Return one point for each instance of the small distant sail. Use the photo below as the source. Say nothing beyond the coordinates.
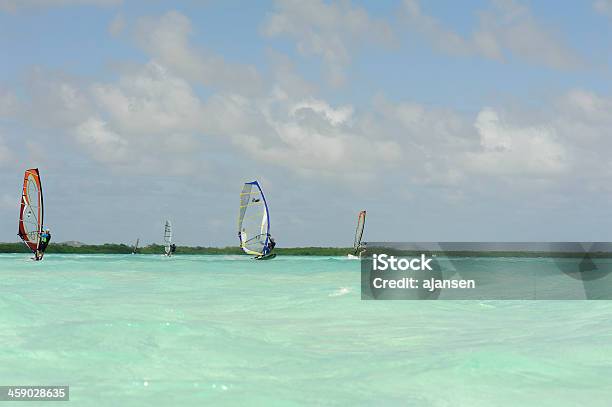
(359, 232)
(253, 220)
(135, 246)
(31, 212)
(168, 238)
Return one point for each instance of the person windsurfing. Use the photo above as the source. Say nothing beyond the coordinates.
(362, 249)
(172, 248)
(271, 245)
(45, 238)
(267, 250)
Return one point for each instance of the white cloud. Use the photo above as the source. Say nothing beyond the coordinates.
(566, 142)
(511, 150)
(286, 80)
(432, 140)
(151, 120)
(57, 100)
(603, 6)
(147, 121)
(335, 117)
(15, 5)
(312, 137)
(332, 31)
(149, 101)
(507, 29)
(166, 40)
(583, 120)
(305, 136)
(582, 106)
(102, 143)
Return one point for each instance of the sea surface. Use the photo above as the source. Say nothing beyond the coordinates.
(146, 330)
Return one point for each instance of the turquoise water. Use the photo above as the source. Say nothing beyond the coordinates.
(226, 330)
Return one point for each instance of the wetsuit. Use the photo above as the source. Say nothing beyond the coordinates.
(45, 237)
(271, 245)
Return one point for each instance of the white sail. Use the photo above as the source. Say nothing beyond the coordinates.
(359, 231)
(167, 237)
(253, 220)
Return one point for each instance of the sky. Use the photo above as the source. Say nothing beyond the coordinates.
(447, 121)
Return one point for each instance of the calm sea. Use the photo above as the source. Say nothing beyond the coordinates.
(226, 330)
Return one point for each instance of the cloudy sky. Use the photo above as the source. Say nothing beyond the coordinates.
(447, 121)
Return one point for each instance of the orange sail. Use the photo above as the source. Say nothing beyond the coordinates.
(32, 212)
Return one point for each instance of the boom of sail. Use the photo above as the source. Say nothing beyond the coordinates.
(359, 231)
(253, 220)
(31, 212)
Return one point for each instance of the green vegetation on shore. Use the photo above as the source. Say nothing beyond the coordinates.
(112, 248)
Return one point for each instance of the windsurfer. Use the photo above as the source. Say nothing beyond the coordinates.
(362, 249)
(172, 248)
(45, 237)
(271, 245)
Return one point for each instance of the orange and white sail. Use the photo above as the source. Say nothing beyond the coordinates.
(31, 213)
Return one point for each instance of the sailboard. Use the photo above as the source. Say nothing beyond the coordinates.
(168, 238)
(135, 246)
(357, 246)
(266, 257)
(31, 213)
(254, 222)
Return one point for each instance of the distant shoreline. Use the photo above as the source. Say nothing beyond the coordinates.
(113, 248)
